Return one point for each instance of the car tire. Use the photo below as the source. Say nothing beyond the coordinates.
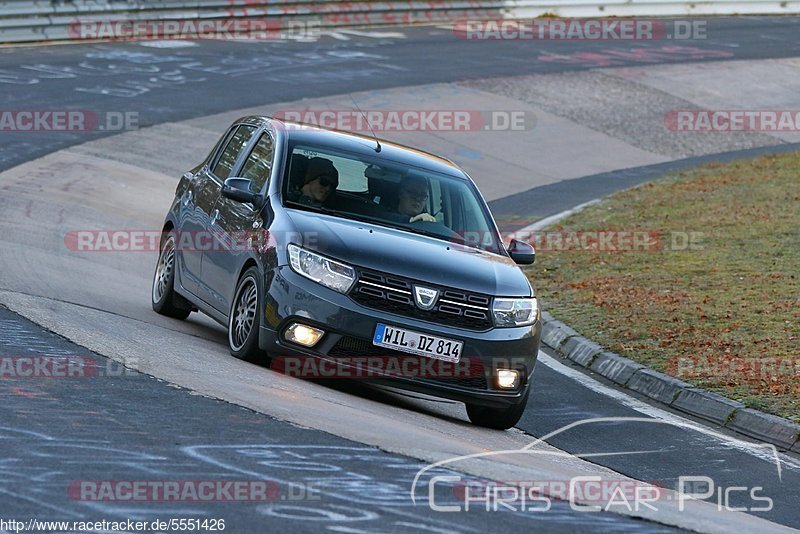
(244, 318)
(163, 297)
(497, 418)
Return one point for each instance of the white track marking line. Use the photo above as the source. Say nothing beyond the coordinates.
(758, 450)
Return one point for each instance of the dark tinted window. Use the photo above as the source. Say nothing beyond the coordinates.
(234, 147)
(258, 166)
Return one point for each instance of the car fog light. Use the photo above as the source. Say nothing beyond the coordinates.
(507, 378)
(302, 334)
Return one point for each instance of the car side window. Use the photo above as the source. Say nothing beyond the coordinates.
(258, 166)
(227, 159)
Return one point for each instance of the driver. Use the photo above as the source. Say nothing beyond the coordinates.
(412, 197)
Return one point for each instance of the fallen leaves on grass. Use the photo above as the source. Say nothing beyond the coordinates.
(736, 296)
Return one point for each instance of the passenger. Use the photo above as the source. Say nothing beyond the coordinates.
(319, 182)
(411, 199)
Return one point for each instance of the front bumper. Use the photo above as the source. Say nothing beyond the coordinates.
(350, 326)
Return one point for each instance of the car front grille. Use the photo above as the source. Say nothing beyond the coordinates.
(395, 294)
(471, 375)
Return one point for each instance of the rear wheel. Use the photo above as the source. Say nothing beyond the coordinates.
(245, 318)
(164, 299)
(497, 418)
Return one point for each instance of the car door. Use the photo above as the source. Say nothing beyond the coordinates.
(188, 258)
(208, 184)
(197, 202)
(235, 223)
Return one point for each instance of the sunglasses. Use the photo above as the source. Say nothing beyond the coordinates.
(327, 181)
(416, 195)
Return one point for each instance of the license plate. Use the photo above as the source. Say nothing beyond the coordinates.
(417, 343)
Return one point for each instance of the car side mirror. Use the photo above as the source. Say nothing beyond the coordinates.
(238, 189)
(521, 252)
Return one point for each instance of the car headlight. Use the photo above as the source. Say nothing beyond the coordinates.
(329, 273)
(515, 312)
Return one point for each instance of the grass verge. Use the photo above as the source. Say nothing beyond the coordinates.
(705, 287)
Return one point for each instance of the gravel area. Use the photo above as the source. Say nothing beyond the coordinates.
(620, 108)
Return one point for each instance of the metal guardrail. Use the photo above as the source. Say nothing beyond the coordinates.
(657, 8)
(46, 20)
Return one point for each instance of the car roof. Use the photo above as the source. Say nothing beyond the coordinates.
(358, 144)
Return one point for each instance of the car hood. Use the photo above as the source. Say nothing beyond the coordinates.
(410, 255)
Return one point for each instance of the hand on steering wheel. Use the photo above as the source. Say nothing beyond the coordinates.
(427, 217)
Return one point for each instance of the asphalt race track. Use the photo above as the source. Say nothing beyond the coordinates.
(165, 400)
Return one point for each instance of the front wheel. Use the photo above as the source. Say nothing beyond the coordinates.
(245, 318)
(163, 297)
(497, 418)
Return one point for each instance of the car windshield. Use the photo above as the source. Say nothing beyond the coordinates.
(389, 193)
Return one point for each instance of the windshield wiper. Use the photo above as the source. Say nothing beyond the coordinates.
(420, 232)
(319, 209)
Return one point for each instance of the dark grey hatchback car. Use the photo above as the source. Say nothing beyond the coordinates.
(334, 254)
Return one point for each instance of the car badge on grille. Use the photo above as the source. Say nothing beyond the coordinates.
(425, 297)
